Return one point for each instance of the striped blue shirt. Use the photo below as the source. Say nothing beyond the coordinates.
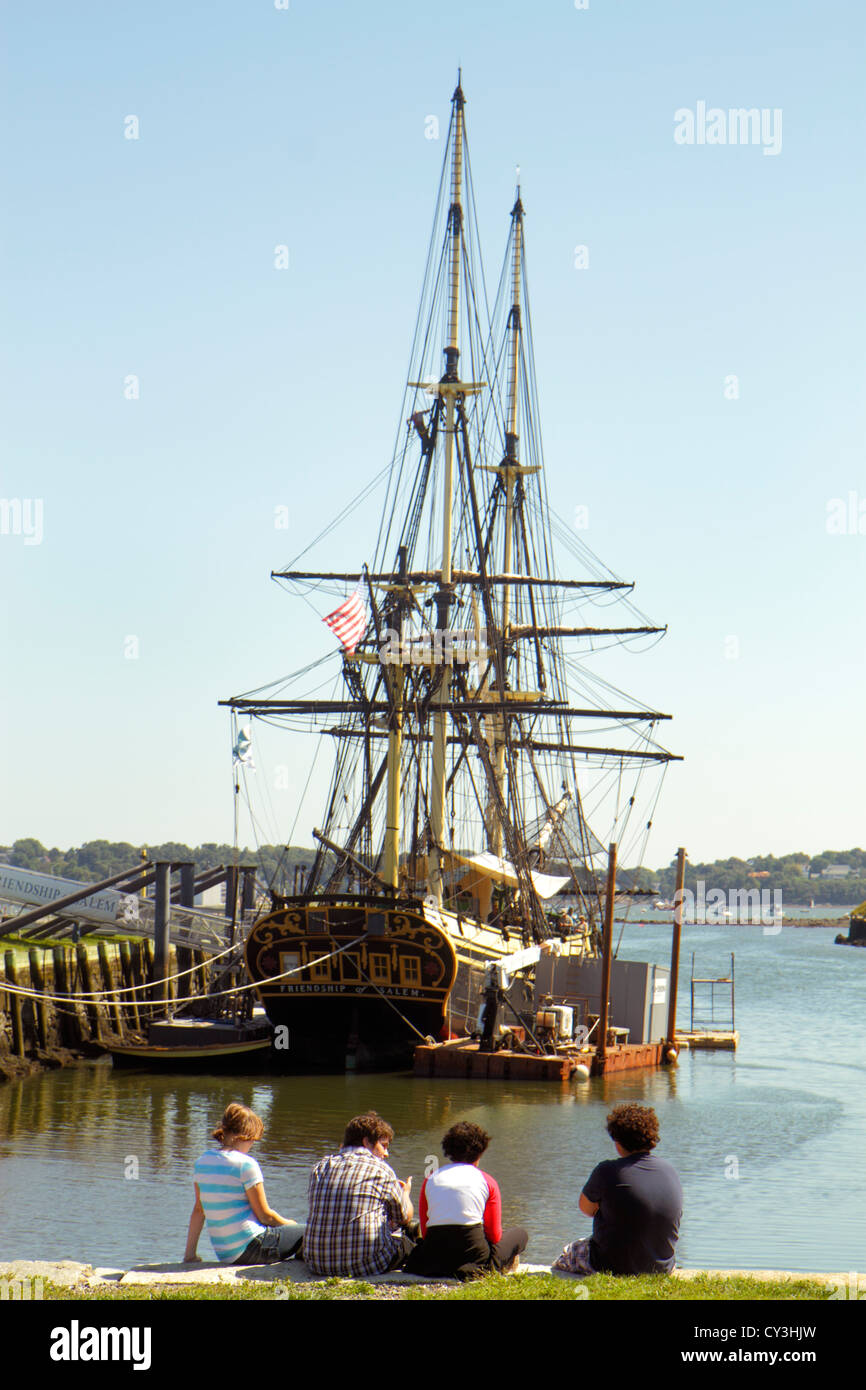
(223, 1175)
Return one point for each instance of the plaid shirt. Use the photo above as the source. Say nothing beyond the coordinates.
(356, 1201)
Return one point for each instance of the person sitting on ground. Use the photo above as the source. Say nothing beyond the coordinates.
(230, 1197)
(359, 1209)
(460, 1210)
(636, 1202)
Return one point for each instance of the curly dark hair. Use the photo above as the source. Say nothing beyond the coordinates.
(370, 1126)
(465, 1142)
(636, 1127)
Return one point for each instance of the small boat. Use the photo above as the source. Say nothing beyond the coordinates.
(198, 1044)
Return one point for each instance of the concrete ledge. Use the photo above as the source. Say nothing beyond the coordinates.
(73, 1275)
(293, 1271)
(70, 1274)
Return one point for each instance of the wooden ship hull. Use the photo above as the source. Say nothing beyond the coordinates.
(365, 980)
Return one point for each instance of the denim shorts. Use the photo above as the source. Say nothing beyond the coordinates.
(274, 1244)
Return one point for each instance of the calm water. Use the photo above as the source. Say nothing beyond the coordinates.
(787, 1111)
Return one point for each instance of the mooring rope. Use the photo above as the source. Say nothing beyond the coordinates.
(97, 994)
(68, 997)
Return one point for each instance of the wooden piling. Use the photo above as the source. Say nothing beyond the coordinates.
(91, 1007)
(112, 1008)
(129, 982)
(675, 949)
(157, 960)
(67, 1022)
(607, 949)
(14, 1004)
(184, 960)
(37, 984)
(140, 973)
(201, 973)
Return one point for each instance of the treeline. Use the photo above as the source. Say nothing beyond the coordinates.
(100, 859)
(796, 876)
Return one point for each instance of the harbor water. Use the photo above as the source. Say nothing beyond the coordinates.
(95, 1164)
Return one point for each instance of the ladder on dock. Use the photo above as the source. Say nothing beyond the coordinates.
(711, 1021)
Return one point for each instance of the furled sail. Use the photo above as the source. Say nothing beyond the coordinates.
(492, 866)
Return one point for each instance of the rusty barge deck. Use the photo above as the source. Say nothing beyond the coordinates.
(462, 1058)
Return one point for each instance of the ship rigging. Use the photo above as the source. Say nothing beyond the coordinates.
(474, 745)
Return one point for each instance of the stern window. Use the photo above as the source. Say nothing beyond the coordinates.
(410, 970)
(320, 968)
(380, 969)
(289, 960)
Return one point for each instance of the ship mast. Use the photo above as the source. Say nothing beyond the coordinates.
(394, 683)
(495, 745)
(509, 470)
(449, 388)
(509, 463)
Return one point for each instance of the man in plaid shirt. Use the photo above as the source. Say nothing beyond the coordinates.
(359, 1208)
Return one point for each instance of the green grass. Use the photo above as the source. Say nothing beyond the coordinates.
(246, 1291)
(600, 1288)
(605, 1288)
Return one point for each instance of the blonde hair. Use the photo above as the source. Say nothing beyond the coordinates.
(238, 1122)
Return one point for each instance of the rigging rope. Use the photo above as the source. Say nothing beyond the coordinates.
(157, 984)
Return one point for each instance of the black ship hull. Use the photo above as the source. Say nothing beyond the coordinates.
(357, 983)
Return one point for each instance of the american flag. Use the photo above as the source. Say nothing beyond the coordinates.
(348, 621)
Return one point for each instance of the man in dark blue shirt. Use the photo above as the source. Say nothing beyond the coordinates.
(636, 1202)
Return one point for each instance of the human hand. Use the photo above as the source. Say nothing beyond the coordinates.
(407, 1186)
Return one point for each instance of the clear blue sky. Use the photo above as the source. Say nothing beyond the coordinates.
(261, 388)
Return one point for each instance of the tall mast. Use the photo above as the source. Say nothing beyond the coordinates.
(394, 680)
(509, 463)
(509, 470)
(493, 733)
(448, 386)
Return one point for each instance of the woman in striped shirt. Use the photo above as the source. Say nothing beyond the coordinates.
(230, 1198)
(460, 1210)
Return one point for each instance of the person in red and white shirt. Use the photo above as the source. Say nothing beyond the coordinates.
(460, 1211)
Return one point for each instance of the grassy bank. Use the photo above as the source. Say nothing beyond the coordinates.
(495, 1288)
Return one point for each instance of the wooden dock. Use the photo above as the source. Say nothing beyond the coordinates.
(722, 1039)
(462, 1058)
(78, 1001)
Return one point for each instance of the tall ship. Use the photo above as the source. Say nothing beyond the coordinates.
(473, 742)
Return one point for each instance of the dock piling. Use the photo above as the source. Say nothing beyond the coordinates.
(37, 984)
(108, 985)
(607, 949)
(675, 949)
(15, 1003)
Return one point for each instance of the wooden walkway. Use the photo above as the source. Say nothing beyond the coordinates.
(722, 1039)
